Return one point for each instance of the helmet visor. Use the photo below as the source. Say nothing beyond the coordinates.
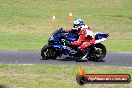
(76, 25)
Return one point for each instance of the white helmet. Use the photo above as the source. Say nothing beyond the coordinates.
(77, 23)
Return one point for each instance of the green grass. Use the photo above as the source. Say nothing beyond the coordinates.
(57, 76)
(25, 24)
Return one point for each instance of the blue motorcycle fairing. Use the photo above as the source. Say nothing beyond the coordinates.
(65, 51)
(56, 43)
(61, 50)
(57, 46)
(53, 39)
(100, 36)
(71, 37)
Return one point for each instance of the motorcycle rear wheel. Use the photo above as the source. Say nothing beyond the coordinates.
(97, 52)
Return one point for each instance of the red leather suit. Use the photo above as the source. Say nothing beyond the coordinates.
(84, 42)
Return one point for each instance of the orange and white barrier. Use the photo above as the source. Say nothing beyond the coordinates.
(70, 17)
(53, 18)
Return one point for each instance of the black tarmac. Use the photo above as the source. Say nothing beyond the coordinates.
(34, 57)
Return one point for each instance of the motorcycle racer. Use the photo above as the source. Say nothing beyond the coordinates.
(80, 43)
(86, 37)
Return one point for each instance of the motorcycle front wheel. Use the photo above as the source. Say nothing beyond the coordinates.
(48, 53)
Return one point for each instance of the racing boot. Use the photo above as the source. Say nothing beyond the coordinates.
(86, 53)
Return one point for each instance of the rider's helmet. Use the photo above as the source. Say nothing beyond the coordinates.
(77, 23)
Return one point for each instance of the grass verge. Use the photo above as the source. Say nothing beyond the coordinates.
(25, 24)
(55, 76)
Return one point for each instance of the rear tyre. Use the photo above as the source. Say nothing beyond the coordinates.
(48, 53)
(97, 52)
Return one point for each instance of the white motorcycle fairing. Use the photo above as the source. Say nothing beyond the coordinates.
(100, 37)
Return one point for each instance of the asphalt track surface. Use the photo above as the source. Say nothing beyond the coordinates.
(33, 57)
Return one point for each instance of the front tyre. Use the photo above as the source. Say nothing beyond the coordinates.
(97, 52)
(48, 53)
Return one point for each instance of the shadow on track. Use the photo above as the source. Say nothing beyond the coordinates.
(74, 59)
(79, 60)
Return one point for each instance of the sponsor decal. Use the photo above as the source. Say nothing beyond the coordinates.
(83, 78)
